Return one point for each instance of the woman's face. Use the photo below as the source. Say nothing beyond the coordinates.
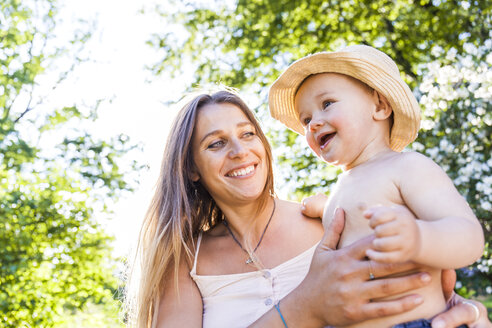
(230, 159)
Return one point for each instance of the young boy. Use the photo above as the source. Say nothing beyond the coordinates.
(357, 113)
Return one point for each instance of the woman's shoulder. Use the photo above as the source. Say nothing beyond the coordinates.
(291, 212)
(289, 205)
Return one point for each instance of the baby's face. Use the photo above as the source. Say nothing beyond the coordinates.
(336, 112)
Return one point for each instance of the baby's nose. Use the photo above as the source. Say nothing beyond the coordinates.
(314, 125)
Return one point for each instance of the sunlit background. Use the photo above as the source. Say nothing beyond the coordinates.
(88, 90)
(132, 101)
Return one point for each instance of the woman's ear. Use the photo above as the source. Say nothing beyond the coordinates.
(383, 107)
(194, 176)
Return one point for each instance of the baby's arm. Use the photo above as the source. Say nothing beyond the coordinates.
(313, 206)
(446, 234)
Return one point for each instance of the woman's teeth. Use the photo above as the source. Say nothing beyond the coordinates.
(241, 172)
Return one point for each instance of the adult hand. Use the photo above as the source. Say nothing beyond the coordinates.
(337, 290)
(459, 313)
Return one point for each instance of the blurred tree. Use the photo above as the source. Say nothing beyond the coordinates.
(54, 176)
(248, 43)
(456, 130)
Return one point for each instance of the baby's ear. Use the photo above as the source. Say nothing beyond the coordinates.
(383, 107)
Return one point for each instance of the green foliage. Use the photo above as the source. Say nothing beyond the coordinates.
(94, 316)
(456, 130)
(248, 43)
(55, 257)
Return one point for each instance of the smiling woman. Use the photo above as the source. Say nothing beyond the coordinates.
(230, 159)
(218, 249)
(217, 161)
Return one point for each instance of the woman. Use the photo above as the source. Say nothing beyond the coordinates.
(218, 248)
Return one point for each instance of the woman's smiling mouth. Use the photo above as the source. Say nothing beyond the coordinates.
(241, 172)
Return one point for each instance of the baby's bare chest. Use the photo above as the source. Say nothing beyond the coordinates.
(354, 194)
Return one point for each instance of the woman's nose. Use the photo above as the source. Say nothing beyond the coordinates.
(237, 149)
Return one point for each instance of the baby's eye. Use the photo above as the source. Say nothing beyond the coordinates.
(216, 144)
(326, 104)
(305, 121)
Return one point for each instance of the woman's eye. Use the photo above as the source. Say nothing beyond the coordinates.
(216, 144)
(326, 104)
(249, 134)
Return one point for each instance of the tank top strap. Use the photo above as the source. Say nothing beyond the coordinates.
(193, 270)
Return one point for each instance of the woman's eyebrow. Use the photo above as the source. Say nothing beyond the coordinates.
(212, 133)
(241, 124)
(216, 132)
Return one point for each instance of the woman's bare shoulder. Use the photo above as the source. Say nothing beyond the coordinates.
(288, 204)
(291, 212)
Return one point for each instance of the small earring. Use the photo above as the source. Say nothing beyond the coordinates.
(195, 189)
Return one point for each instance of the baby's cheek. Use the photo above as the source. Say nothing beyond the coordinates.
(312, 143)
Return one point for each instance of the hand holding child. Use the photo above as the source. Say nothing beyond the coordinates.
(397, 234)
(313, 206)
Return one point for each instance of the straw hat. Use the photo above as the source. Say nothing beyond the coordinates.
(367, 64)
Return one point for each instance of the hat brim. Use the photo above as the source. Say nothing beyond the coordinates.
(373, 72)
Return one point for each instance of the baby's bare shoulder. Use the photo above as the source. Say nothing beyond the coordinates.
(409, 161)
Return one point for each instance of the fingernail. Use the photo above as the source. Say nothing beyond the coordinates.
(425, 277)
(438, 323)
(418, 300)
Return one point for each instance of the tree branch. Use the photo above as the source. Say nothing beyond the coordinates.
(400, 58)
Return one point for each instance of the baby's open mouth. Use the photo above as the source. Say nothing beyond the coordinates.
(325, 139)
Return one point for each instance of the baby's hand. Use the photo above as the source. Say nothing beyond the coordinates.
(397, 234)
(314, 206)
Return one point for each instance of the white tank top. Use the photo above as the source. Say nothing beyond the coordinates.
(238, 300)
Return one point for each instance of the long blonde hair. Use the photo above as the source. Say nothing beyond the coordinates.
(179, 210)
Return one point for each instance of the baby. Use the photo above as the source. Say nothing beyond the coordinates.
(357, 113)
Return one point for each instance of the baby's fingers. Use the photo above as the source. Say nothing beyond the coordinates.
(379, 215)
(391, 228)
(313, 206)
(310, 211)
